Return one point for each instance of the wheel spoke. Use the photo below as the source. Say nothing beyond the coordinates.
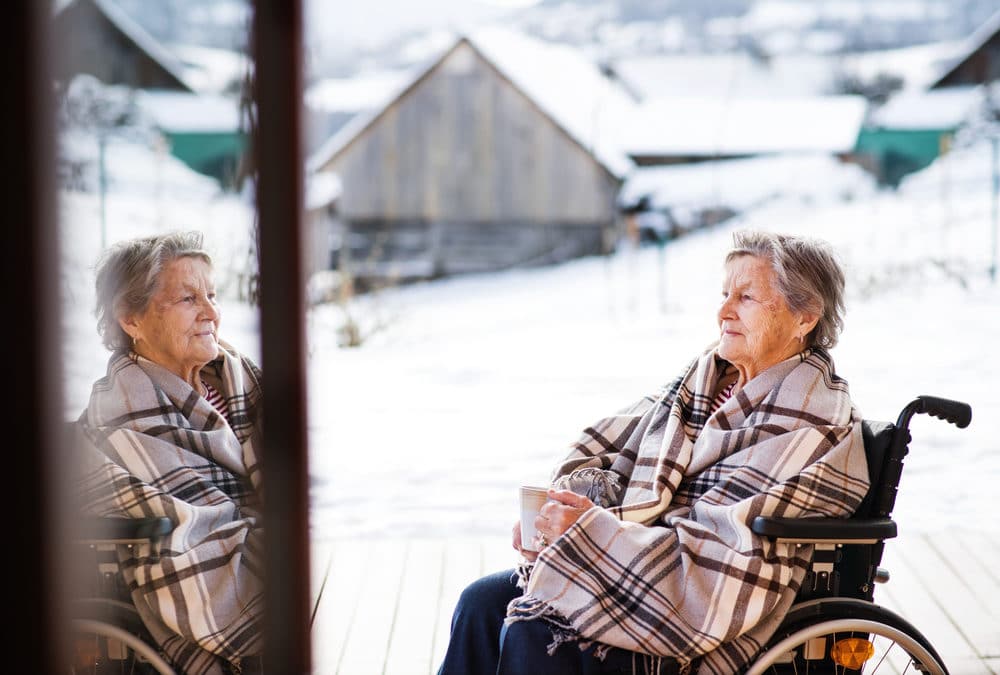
(884, 655)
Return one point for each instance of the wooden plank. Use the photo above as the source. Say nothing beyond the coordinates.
(322, 562)
(978, 552)
(412, 641)
(368, 639)
(884, 598)
(461, 566)
(386, 607)
(909, 597)
(320, 569)
(974, 613)
(334, 616)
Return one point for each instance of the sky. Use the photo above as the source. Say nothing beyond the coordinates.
(469, 387)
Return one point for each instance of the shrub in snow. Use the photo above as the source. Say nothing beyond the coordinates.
(91, 114)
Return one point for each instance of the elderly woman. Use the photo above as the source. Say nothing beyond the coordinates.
(172, 430)
(647, 563)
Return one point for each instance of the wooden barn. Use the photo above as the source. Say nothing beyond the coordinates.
(501, 153)
(97, 38)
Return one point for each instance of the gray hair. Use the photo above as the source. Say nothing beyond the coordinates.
(809, 277)
(127, 278)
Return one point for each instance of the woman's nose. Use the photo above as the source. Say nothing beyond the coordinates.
(725, 308)
(209, 309)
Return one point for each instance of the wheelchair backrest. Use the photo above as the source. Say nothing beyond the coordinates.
(851, 567)
(878, 437)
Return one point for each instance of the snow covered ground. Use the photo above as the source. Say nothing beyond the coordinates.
(475, 385)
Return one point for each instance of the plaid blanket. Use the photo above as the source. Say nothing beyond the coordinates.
(151, 446)
(670, 568)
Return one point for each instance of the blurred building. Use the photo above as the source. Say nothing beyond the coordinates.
(502, 152)
(978, 61)
(97, 38)
(918, 124)
(913, 128)
(684, 129)
(189, 98)
(202, 130)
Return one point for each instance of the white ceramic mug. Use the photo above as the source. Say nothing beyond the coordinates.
(532, 499)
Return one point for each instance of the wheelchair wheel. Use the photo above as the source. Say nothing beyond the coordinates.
(109, 637)
(842, 636)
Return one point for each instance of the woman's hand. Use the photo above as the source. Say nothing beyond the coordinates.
(530, 556)
(559, 513)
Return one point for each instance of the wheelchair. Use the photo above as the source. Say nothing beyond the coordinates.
(108, 635)
(835, 626)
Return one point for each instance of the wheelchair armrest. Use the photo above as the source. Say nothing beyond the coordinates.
(824, 530)
(109, 530)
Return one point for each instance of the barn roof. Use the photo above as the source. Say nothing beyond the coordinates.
(709, 127)
(733, 74)
(561, 81)
(945, 108)
(138, 36)
(184, 112)
(971, 45)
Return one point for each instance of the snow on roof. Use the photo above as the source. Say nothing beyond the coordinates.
(322, 188)
(745, 183)
(567, 86)
(917, 66)
(715, 126)
(180, 112)
(728, 74)
(945, 108)
(561, 80)
(366, 91)
(357, 124)
(144, 40)
(211, 69)
(968, 46)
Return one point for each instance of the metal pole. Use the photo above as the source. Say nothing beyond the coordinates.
(277, 51)
(996, 207)
(102, 178)
(662, 255)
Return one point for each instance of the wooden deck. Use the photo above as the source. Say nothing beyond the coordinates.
(384, 606)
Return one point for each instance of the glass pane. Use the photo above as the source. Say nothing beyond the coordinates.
(151, 141)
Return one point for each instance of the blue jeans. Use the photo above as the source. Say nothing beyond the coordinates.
(474, 646)
(480, 644)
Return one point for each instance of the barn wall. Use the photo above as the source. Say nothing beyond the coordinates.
(465, 174)
(464, 145)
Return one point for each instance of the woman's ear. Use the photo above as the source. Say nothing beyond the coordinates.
(130, 326)
(807, 321)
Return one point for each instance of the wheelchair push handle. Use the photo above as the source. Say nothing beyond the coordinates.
(956, 412)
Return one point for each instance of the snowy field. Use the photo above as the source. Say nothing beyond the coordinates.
(475, 385)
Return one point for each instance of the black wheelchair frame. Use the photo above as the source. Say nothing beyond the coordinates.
(835, 626)
(108, 633)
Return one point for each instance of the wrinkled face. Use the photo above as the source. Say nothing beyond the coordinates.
(179, 328)
(757, 330)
